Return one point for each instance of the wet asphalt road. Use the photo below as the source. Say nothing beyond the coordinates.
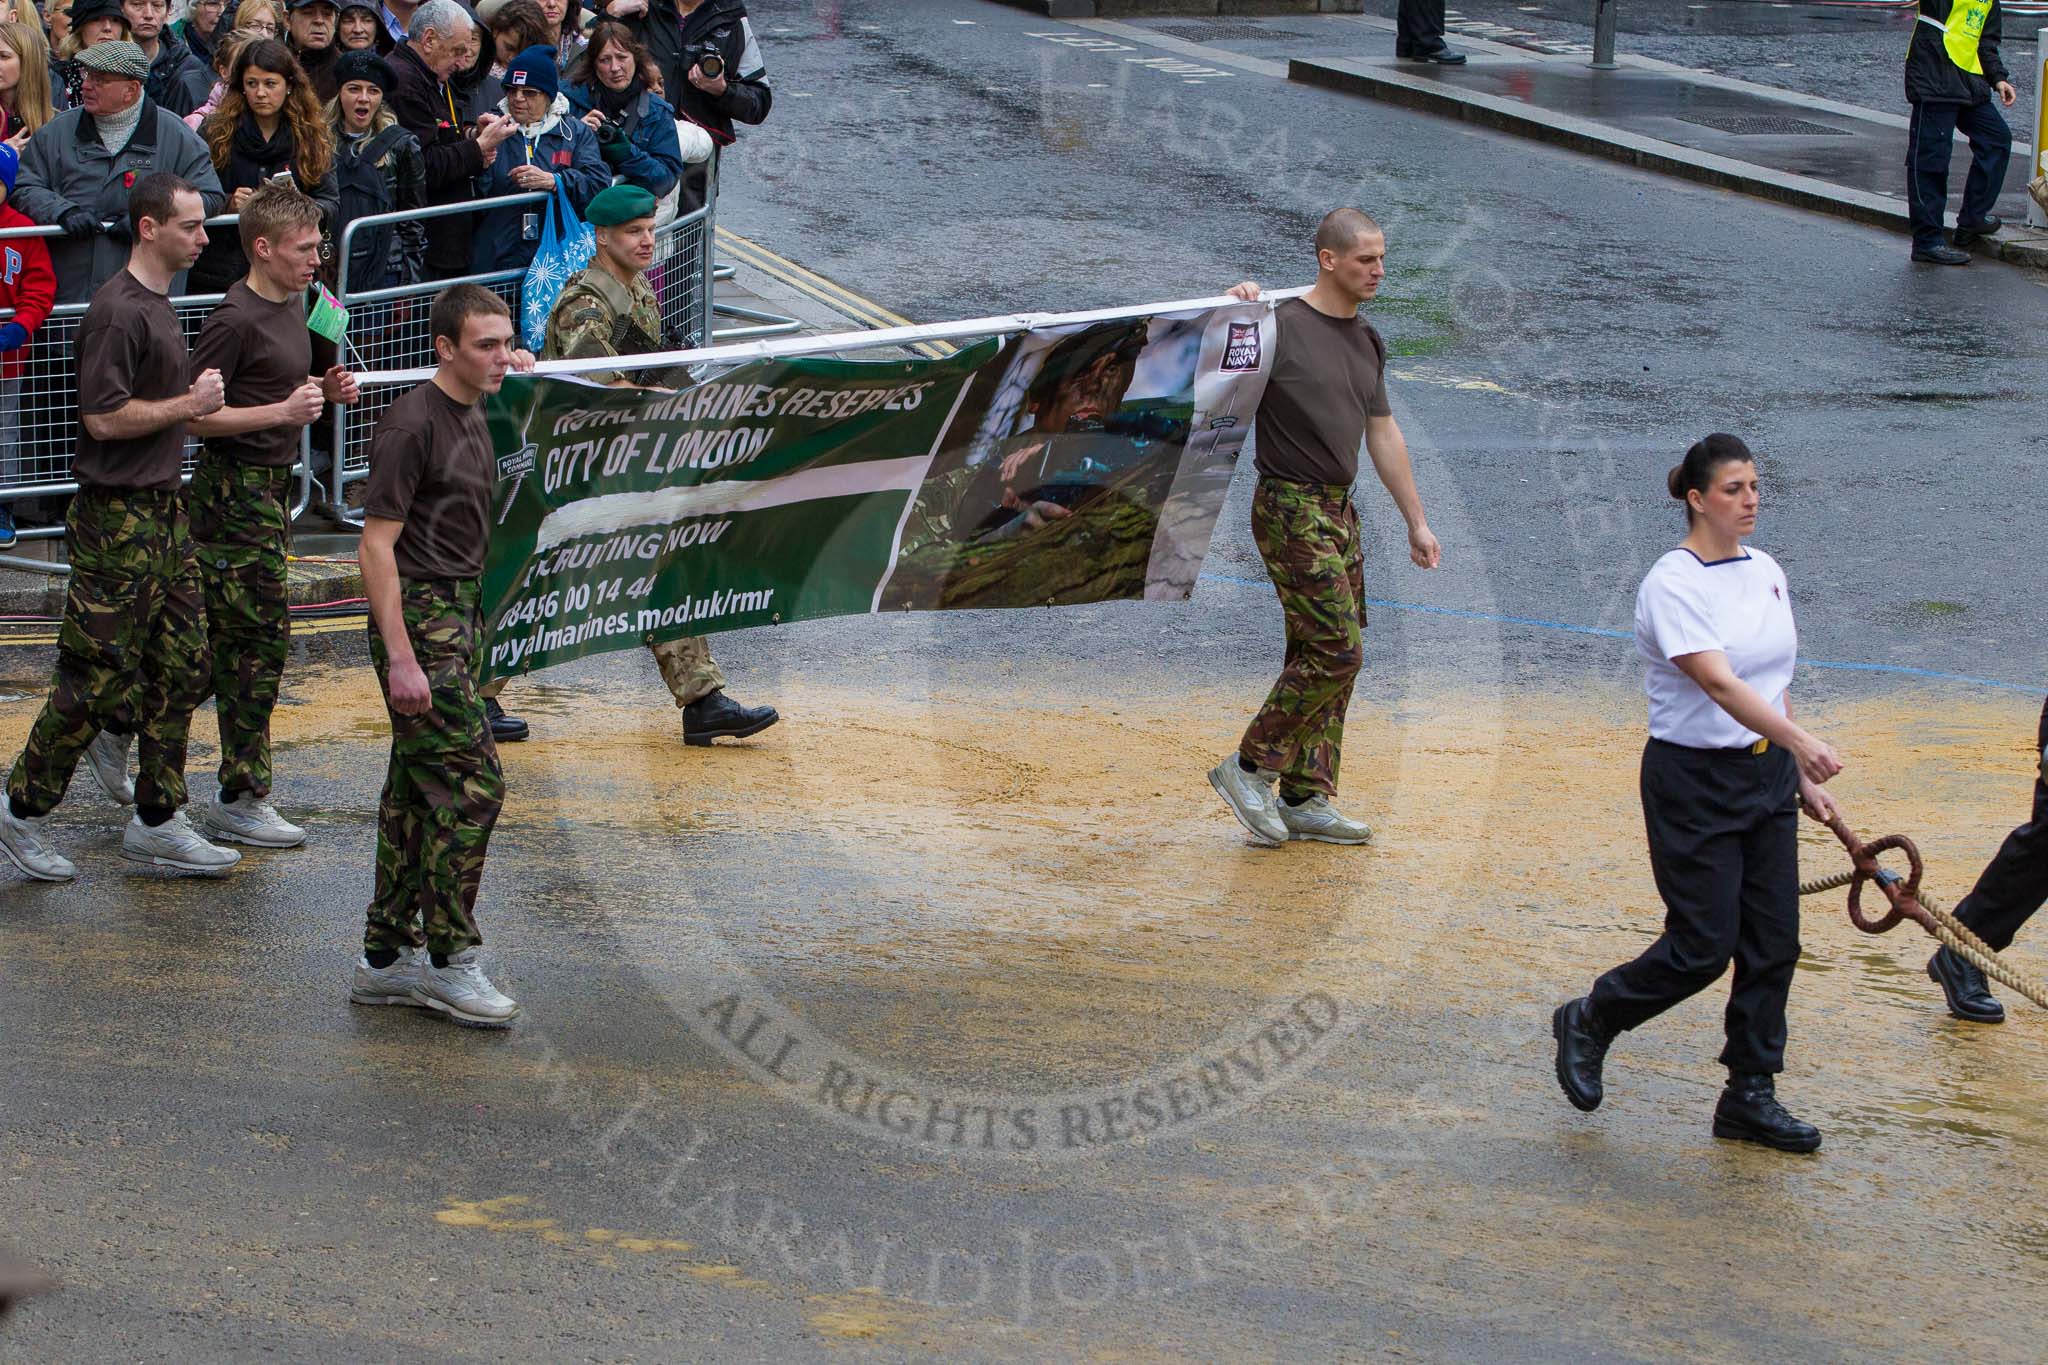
(978, 850)
(1616, 315)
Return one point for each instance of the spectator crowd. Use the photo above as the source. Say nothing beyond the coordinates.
(365, 107)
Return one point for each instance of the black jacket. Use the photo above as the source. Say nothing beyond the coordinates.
(178, 80)
(747, 97)
(1932, 76)
(319, 67)
(453, 161)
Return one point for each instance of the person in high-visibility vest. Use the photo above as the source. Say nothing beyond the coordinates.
(1952, 71)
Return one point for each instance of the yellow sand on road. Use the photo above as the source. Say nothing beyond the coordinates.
(999, 892)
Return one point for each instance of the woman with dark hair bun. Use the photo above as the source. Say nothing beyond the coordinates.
(1724, 775)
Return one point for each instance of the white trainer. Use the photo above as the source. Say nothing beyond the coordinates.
(461, 991)
(174, 843)
(1250, 798)
(107, 756)
(398, 984)
(22, 839)
(1316, 819)
(247, 820)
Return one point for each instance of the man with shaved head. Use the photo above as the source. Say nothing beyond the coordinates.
(1326, 395)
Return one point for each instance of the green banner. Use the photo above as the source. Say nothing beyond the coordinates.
(1068, 464)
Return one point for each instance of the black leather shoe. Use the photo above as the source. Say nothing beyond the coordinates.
(1967, 233)
(1941, 255)
(1969, 995)
(1749, 1112)
(718, 716)
(1442, 56)
(504, 729)
(1581, 1049)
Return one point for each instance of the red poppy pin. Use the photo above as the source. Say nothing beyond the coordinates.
(127, 180)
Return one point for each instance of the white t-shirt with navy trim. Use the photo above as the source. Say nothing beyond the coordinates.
(1739, 606)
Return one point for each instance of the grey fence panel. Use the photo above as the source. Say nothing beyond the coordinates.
(387, 330)
(389, 333)
(37, 445)
(39, 394)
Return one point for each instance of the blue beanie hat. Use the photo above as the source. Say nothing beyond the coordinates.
(534, 69)
(10, 166)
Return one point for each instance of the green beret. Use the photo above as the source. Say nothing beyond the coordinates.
(619, 204)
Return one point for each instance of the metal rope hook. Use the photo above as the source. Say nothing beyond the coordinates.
(1903, 893)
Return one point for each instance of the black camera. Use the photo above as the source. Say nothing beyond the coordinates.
(611, 130)
(707, 57)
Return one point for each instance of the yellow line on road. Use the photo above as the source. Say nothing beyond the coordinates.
(326, 625)
(826, 291)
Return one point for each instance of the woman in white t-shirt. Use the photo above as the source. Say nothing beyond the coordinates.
(1723, 777)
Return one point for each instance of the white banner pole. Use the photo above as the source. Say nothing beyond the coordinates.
(783, 348)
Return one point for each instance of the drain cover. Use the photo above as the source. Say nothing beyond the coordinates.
(1209, 33)
(1763, 125)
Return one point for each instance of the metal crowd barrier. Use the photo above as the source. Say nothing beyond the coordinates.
(387, 330)
(39, 407)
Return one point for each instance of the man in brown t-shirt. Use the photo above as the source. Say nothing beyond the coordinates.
(241, 495)
(428, 521)
(1326, 395)
(132, 653)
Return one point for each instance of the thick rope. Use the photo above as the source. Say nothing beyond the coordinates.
(1967, 945)
(1955, 935)
(1820, 884)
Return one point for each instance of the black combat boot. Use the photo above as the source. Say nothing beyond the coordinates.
(1969, 995)
(1749, 1112)
(718, 716)
(504, 729)
(1582, 1041)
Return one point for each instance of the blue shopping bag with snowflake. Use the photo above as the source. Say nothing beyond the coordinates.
(566, 246)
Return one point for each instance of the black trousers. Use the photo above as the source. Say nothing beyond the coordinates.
(1418, 27)
(1930, 140)
(2015, 885)
(1723, 829)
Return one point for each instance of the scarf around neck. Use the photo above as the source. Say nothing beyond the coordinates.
(614, 104)
(252, 157)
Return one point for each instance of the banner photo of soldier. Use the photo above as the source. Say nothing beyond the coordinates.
(1080, 464)
(1099, 460)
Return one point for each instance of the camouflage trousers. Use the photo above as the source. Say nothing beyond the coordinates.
(131, 654)
(241, 525)
(686, 666)
(1308, 536)
(443, 788)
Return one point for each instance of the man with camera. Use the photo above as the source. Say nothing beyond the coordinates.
(711, 68)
